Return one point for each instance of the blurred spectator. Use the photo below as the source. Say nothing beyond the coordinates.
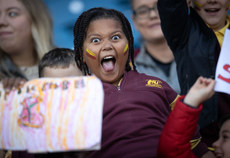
(154, 57)
(25, 35)
(195, 35)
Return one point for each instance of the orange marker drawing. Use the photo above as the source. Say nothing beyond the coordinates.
(90, 54)
(125, 51)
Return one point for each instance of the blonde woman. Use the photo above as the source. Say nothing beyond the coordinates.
(25, 35)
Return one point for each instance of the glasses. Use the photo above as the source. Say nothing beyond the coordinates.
(144, 12)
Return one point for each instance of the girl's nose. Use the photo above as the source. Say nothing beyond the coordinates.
(107, 45)
(216, 144)
(3, 20)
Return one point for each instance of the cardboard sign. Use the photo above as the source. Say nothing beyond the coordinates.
(223, 66)
(52, 115)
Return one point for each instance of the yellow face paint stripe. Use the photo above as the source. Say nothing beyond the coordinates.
(90, 54)
(126, 48)
(197, 5)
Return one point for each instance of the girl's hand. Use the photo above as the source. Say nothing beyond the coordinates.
(12, 83)
(202, 90)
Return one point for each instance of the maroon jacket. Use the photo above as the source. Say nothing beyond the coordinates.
(134, 115)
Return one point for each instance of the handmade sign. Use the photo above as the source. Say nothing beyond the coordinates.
(52, 115)
(223, 66)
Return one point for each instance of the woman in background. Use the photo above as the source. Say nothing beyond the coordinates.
(25, 35)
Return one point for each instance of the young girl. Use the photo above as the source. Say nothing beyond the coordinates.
(222, 145)
(136, 106)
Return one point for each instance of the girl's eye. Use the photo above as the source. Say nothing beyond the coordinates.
(12, 14)
(95, 40)
(116, 37)
(225, 137)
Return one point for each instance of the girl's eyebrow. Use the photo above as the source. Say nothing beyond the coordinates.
(96, 35)
(11, 8)
(117, 32)
(225, 131)
(92, 35)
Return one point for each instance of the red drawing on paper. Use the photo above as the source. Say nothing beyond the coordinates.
(31, 115)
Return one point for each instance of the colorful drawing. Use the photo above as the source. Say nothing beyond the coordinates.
(55, 114)
(31, 116)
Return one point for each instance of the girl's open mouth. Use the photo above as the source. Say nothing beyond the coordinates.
(108, 63)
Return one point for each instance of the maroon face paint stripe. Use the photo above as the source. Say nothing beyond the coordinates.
(90, 56)
(125, 51)
(227, 7)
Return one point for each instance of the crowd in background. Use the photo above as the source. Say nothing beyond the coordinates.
(180, 41)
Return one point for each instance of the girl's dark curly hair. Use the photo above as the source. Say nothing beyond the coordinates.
(80, 30)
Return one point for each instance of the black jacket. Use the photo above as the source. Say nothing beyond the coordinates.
(193, 45)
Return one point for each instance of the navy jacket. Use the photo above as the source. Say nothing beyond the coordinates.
(193, 45)
(196, 50)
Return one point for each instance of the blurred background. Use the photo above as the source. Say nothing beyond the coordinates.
(65, 13)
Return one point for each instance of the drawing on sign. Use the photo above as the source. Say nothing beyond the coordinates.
(31, 115)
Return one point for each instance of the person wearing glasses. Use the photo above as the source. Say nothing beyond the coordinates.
(154, 56)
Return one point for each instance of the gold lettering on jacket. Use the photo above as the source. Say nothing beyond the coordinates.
(154, 83)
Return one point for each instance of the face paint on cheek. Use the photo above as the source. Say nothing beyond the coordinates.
(197, 5)
(227, 6)
(90, 54)
(125, 51)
